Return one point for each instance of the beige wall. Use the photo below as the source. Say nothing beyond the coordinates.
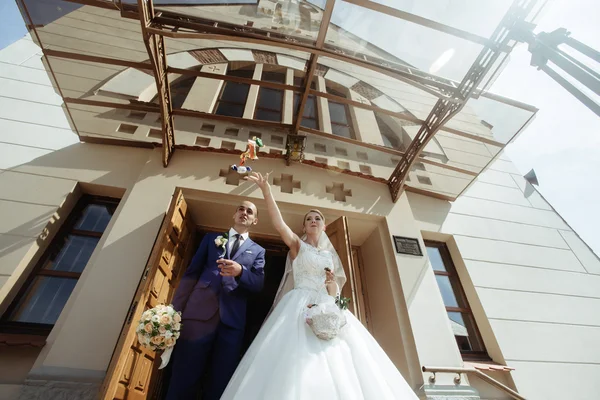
(135, 225)
(16, 362)
(389, 325)
(430, 325)
(41, 164)
(533, 285)
(41, 158)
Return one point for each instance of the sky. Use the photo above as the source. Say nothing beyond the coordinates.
(12, 27)
(562, 144)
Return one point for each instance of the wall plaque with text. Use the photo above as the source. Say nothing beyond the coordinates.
(405, 245)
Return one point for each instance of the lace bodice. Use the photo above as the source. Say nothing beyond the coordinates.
(309, 267)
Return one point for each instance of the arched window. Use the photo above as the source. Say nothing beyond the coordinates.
(180, 90)
(389, 137)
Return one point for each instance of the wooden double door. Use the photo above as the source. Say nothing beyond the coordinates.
(133, 372)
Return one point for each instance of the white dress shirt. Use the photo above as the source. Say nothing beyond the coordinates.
(232, 238)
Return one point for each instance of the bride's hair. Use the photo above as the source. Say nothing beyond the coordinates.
(314, 210)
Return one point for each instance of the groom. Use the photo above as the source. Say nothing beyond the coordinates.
(212, 297)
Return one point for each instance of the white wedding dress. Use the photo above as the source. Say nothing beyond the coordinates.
(286, 361)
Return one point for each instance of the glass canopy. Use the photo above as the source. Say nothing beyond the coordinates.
(378, 71)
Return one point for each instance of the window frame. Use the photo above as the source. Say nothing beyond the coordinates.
(259, 108)
(243, 103)
(303, 117)
(67, 228)
(181, 87)
(349, 121)
(385, 131)
(462, 300)
(261, 91)
(297, 97)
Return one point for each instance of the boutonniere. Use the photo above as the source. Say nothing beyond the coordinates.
(221, 241)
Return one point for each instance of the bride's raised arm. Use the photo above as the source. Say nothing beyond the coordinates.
(289, 238)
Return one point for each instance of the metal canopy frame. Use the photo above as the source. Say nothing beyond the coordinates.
(312, 64)
(177, 26)
(445, 110)
(452, 96)
(299, 89)
(155, 45)
(544, 48)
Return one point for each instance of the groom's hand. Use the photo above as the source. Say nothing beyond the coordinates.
(229, 268)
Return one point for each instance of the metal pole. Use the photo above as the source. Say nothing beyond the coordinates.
(579, 64)
(589, 103)
(576, 72)
(583, 49)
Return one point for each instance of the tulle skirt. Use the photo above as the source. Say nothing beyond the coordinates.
(286, 361)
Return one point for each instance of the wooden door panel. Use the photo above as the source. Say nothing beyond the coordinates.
(157, 283)
(175, 266)
(361, 290)
(168, 249)
(128, 368)
(184, 239)
(133, 368)
(165, 290)
(179, 216)
(142, 374)
(121, 392)
(340, 239)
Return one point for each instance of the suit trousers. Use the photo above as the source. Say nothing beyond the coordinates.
(204, 344)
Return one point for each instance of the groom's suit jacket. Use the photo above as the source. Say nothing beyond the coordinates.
(203, 292)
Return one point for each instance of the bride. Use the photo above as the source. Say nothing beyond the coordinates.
(286, 361)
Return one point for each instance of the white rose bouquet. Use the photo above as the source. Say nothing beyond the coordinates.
(159, 328)
(326, 319)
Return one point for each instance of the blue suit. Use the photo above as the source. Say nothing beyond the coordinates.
(213, 317)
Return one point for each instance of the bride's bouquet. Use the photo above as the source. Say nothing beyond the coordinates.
(327, 318)
(159, 328)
